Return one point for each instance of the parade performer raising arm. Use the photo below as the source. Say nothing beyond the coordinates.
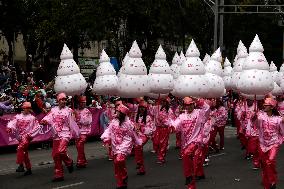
(84, 119)
(62, 121)
(24, 126)
(121, 136)
(189, 124)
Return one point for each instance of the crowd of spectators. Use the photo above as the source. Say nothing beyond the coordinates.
(17, 87)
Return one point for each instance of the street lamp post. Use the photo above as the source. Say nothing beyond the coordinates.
(216, 24)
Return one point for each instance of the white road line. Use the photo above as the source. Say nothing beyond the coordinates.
(216, 155)
(69, 185)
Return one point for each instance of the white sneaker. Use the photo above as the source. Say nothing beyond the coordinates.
(205, 164)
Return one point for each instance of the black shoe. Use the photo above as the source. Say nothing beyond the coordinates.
(20, 169)
(28, 172)
(199, 177)
(121, 187)
(58, 179)
(188, 180)
(273, 186)
(125, 181)
(80, 166)
(141, 173)
(70, 168)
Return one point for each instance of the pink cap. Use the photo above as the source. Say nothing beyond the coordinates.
(188, 100)
(270, 102)
(61, 96)
(123, 109)
(26, 105)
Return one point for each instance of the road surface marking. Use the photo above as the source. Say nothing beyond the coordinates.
(216, 155)
(69, 185)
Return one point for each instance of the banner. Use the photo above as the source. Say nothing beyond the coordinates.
(45, 132)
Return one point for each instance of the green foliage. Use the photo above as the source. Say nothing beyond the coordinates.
(47, 24)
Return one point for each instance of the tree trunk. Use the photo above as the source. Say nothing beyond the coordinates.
(10, 52)
(75, 52)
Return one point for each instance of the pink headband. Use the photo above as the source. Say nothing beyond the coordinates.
(270, 102)
(26, 105)
(123, 109)
(188, 100)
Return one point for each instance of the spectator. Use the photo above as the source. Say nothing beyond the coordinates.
(38, 104)
(29, 63)
(6, 103)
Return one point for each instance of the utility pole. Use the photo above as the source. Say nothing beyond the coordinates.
(221, 30)
(216, 14)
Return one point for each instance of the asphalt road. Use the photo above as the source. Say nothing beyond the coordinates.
(227, 170)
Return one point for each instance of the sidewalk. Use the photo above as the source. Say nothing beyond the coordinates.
(41, 158)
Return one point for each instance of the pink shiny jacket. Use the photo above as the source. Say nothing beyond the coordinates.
(221, 116)
(24, 125)
(190, 125)
(271, 130)
(121, 137)
(147, 128)
(84, 120)
(248, 126)
(63, 123)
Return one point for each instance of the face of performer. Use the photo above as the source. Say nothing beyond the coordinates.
(62, 102)
(26, 110)
(120, 116)
(82, 105)
(142, 109)
(267, 108)
(250, 102)
(189, 107)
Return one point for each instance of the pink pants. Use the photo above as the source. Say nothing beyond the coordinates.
(178, 139)
(188, 156)
(22, 153)
(268, 165)
(216, 130)
(59, 155)
(80, 143)
(139, 155)
(198, 161)
(162, 139)
(253, 149)
(237, 123)
(155, 141)
(120, 170)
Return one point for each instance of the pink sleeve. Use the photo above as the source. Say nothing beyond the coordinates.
(87, 118)
(49, 117)
(12, 124)
(35, 128)
(150, 126)
(106, 135)
(138, 141)
(73, 126)
(176, 123)
(281, 126)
